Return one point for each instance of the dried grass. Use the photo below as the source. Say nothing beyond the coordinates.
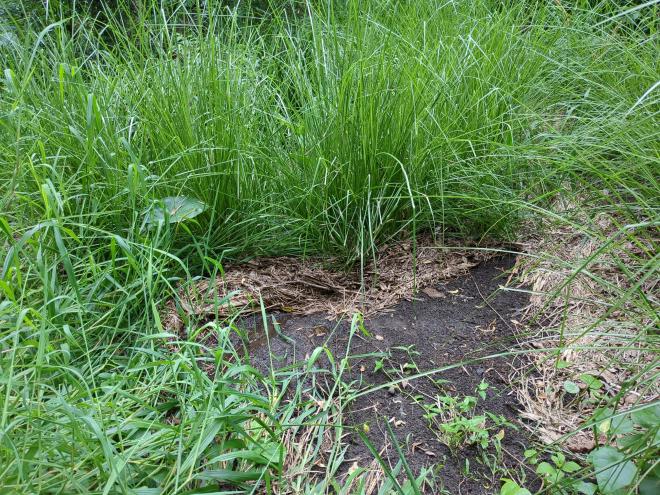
(303, 462)
(308, 286)
(571, 311)
(306, 460)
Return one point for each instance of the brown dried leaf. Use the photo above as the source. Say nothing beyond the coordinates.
(433, 293)
(580, 443)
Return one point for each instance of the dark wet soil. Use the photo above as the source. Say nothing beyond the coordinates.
(461, 320)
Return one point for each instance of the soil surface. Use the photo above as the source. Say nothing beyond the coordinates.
(455, 322)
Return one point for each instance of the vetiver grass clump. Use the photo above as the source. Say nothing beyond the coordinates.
(321, 128)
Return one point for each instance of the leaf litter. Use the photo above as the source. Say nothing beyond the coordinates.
(304, 287)
(570, 310)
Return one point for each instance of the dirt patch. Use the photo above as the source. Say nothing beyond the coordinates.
(455, 321)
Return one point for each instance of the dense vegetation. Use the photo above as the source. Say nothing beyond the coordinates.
(327, 128)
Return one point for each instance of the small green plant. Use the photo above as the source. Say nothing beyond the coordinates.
(482, 389)
(626, 463)
(510, 487)
(458, 425)
(630, 457)
(588, 388)
(173, 210)
(558, 474)
(379, 363)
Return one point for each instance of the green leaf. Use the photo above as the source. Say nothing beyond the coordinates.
(268, 454)
(174, 210)
(651, 484)
(647, 417)
(621, 425)
(611, 422)
(604, 426)
(631, 441)
(147, 491)
(613, 471)
(571, 387)
(571, 467)
(510, 487)
(585, 488)
(4, 226)
(545, 468)
(229, 476)
(530, 453)
(559, 459)
(592, 382)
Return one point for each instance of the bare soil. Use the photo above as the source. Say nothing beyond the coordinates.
(456, 321)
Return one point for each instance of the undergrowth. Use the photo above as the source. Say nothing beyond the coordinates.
(318, 128)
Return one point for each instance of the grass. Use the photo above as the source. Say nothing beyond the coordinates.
(323, 129)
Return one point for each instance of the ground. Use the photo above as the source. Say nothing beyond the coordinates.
(461, 320)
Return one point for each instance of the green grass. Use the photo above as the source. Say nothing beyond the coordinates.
(326, 129)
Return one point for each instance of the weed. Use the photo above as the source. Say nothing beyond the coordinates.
(628, 459)
(458, 425)
(558, 473)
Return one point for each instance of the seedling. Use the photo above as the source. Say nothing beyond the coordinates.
(458, 425)
(557, 475)
(628, 459)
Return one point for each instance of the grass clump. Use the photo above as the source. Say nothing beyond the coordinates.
(320, 128)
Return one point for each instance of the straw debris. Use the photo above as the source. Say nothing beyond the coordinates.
(298, 286)
(573, 278)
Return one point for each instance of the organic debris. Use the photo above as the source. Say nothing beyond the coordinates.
(304, 287)
(302, 461)
(604, 352)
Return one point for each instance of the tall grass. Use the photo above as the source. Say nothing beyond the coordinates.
(326, 128)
